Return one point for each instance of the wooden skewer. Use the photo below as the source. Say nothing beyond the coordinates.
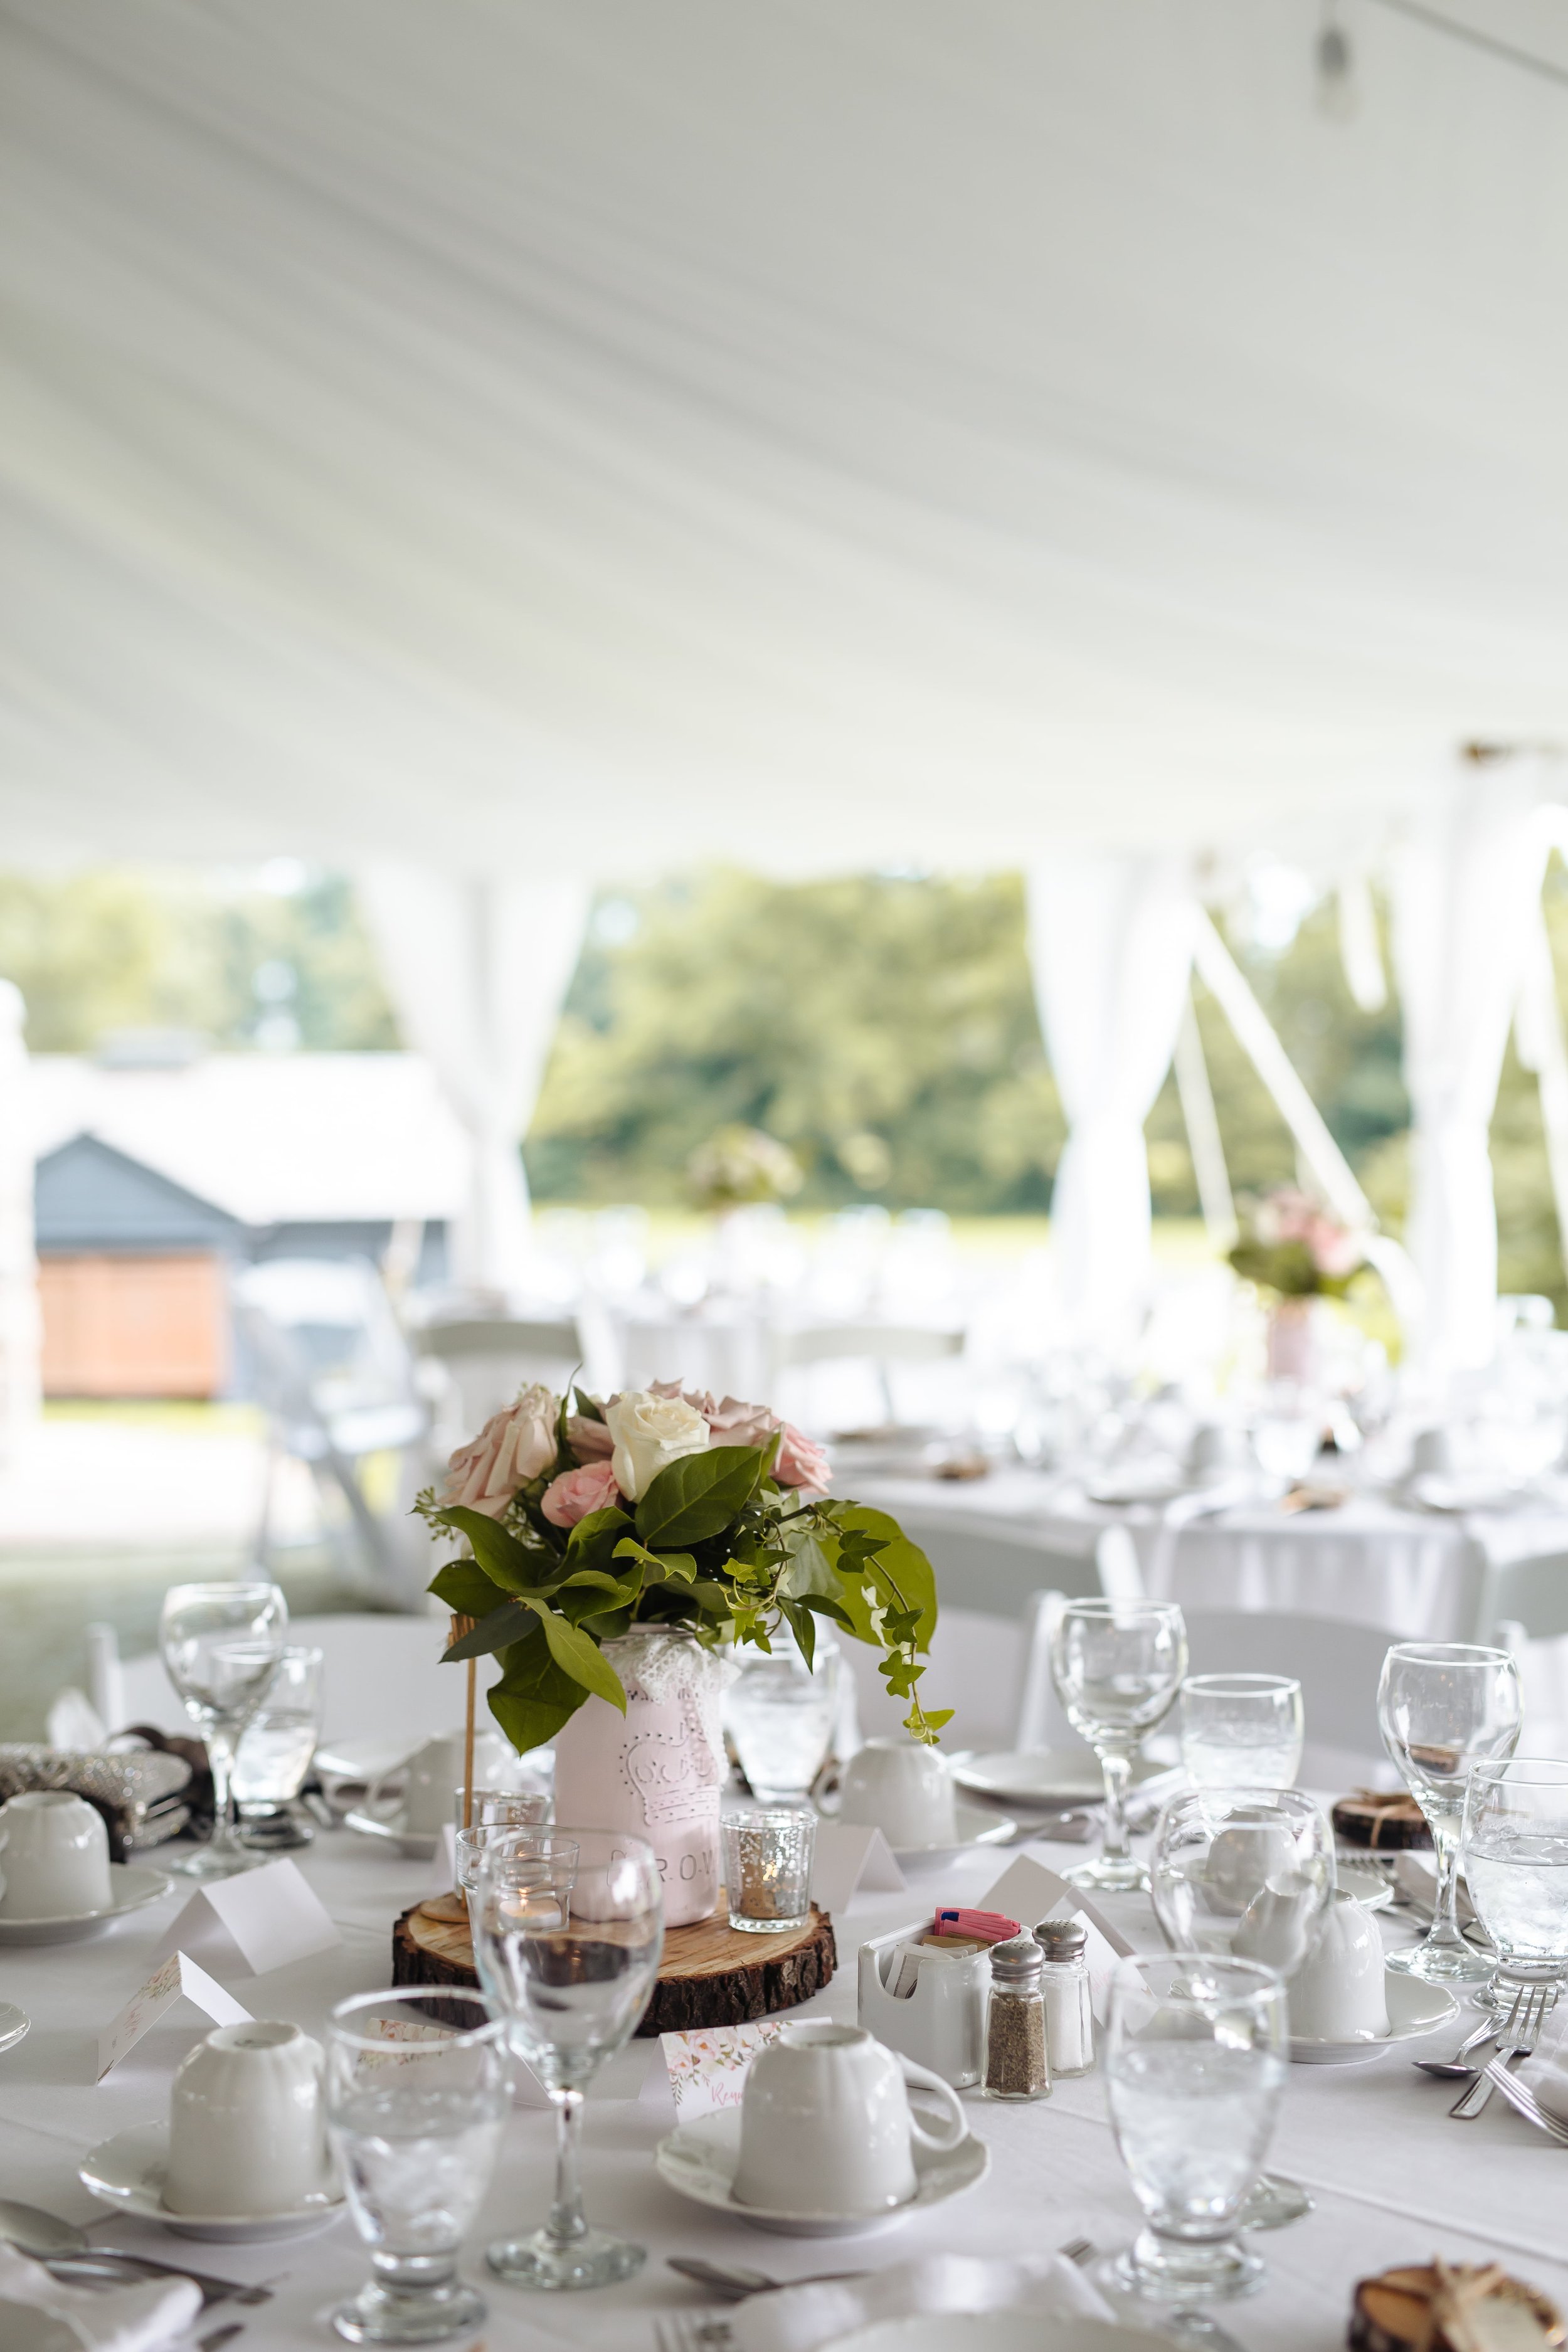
(460, 1626)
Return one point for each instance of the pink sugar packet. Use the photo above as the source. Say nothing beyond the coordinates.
(985, 1927)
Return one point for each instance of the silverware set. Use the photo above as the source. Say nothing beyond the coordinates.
(1516, 2034)
(69, 2255)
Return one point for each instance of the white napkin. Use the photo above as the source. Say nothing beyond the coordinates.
(803, 2318)
(1547, 2072)
(39, 2314)
(1417, 1874)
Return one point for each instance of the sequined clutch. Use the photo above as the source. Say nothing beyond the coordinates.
(139, 1793)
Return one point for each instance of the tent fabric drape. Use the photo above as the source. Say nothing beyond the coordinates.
(1111, 941)
(930, 433)
(20, 1335)
(478, 972)
(1465, 884)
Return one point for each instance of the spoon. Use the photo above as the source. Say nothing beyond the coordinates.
(1449, 2070)
(62, 2245)
(734, 2280)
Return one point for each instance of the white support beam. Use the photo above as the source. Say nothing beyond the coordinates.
(1204, 1139)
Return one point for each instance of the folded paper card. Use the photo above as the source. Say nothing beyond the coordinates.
(708, 2068)
(1032, 1893)
(261, 1919)
(176, 1978)
(850, 1856)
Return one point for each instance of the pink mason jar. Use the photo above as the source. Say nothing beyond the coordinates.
(656, 1771)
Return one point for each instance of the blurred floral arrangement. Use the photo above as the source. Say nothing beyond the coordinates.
(661, 1508)
(1291, 1245)
(738, 1167)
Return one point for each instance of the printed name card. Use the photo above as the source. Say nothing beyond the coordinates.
(175, 1978)
(850, 1856)
(708, 2069)
(1032, 1893)
(259, 1920)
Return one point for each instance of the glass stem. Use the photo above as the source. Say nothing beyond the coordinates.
(1444, 1933)
(1117, 1771)
(220, 1746)
(567, 2217)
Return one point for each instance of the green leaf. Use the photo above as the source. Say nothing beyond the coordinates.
(592, 1542)
(589, 1408)
(662, 1567)
(900, 1573)
(513, 1565)
(463, 1585)
(533, 1698)
(701, 1494)
(497, 1631)
(578, 1654)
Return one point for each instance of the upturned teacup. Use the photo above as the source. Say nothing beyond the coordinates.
(431, 1777)
(246, 2122)
(57, 1856)
(901, 1789)
(1339, 1992)
(827, 2126)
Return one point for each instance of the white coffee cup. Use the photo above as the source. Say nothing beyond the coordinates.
(246, 2122)
(57, 1856)
(825, 2125)
(901, 1789)
(432, 1776)
(1339, 1992)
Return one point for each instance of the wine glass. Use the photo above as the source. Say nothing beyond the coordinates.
(1195, 2069)
(1248, 1874)
(1242, 1731)
(568, 1928)
(1444, 1708)
(415, 2114)
(1514, 1846)
(1117, 1666)
(221, 1645)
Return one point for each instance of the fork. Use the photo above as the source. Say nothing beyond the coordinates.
(1521, 2039)
(1490, 2029)
(1519, 2095)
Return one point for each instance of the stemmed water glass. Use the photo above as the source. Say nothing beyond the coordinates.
(1117, 1666)
(1444, 1708)
(1194, 2067)
(221, 1645)
(416, 2112)
(1514, 1846)
(568, 1928)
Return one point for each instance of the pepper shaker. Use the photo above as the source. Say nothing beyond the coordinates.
(1015, 2066)
(1069, 2013)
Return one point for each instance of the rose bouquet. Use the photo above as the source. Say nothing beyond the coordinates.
(1293, 1247)
(740, 1166)
(661, 1508)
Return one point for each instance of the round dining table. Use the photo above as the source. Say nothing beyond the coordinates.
(1393, 2180)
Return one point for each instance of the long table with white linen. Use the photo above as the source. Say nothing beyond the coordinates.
(1394, 2180)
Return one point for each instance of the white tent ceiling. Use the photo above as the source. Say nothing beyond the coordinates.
(923, 430)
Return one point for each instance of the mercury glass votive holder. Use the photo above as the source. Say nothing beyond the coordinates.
(767, 1869)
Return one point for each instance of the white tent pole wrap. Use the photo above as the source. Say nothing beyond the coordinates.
(476, 970)
(21, 1385)
(1204, 1139)
(1361, 953)
(1110, 942)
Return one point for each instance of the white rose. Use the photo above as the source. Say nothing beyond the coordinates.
(650, 1432)
(513, 1447)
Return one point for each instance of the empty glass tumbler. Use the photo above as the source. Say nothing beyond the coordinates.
(1514, 1852)
(779, 1715)
(1242, 1730)
(275, 1753)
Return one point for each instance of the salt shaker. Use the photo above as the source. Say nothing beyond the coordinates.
(1015, 2066)
(1069, 2016)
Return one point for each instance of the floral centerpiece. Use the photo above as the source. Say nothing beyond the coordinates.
(609, 1551)
(738, 1167)
(1292, 1245)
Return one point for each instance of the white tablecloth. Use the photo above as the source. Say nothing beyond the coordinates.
(1393, 2180)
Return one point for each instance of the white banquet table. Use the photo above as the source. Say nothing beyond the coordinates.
(1394, 2180)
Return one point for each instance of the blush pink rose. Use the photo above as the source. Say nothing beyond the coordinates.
(801, 1462)
(576, 1493)
(589, 1440)
(513, 1447)
(730, 1423)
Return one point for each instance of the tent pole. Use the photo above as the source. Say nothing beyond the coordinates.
(1203, 1140)
(1537, 1032)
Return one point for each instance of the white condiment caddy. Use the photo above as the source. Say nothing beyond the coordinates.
(942, 2023)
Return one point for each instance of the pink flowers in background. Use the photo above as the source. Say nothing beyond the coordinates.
(576, 1493)
(1294, 1246)
(513, 1447)
(800, 1462)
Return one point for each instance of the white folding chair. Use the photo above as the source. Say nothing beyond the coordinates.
(487, 1359)
(882, 1345)
(1338, 1664)
(1524, 1609)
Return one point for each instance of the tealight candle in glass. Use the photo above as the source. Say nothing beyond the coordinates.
(767, 1869)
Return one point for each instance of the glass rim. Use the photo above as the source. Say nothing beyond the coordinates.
(768, 1817)
(1449, 1654)
(1253, 1980)
(301, 1650)
(1248, 1792)
(1547, 1771)
(225, 1587)
(458, 2037)
(1101, 1604)
(1240, 1686)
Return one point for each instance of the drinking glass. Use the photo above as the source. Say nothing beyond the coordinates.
(513, 1809)
(221, 1645)
(568, 1928)
(1194, 2067)
(779, 1715)
(1444, 1708)
(274, 1754)
(1117, 1666)
(1242, 1730)
(1247, 1874)
(414, 2112)
(1514, 1846)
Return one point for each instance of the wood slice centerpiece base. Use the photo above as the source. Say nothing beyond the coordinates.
(712, 1973)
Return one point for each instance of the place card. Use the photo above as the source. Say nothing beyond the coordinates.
(1030, 1892)
(708, 2069)
(850, 1856)
(255, 1921)
(175, 1978)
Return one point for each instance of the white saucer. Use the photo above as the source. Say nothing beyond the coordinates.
(362, 1760)
(417, 1845)
(130, 1890)
(1477, 1490)
(14, 2023)
(130, 2170)
(1069, 1776)
(1415, 2008)
(1121, 1487)
(975, 1825)
(1368, 1885)
(699, 2160)
(997, 2331)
